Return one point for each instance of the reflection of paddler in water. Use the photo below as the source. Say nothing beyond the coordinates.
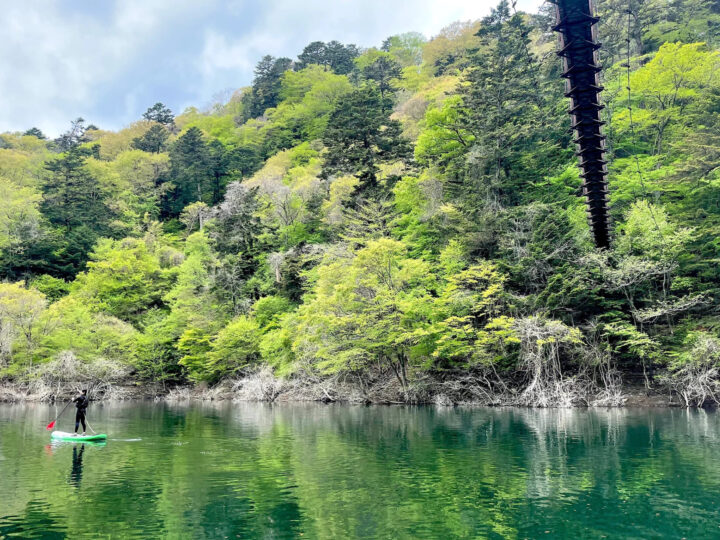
(77, 466)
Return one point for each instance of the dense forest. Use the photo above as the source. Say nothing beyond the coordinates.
(405, 219)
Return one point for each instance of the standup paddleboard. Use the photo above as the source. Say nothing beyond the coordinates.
(64, 436)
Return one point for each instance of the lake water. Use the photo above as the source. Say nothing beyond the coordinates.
(224, 470)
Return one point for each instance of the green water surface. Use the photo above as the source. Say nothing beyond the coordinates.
(224, 470)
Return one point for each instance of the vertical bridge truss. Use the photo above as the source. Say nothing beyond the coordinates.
(575, 21)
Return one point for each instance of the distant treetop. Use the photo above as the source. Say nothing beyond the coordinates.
(72, 137)
(35, 132)
(161, 114)
(333, 55)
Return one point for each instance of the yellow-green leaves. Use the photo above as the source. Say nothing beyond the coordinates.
(445, 136)
(19, 213)
(20, 312)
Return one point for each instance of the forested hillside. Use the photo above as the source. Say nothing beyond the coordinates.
(407, 219)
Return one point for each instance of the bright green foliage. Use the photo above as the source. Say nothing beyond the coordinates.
(133, 186)
(424, 218)
(406, 48)
(374, 307)
(653, 23)
(469, 307)
(195, 344)
(648, 232)
(267, 310)
(217, 126)
(309, 97)
(123, 279)
(74, 327)
(20, 312)
(679, 77)
(449, 50)
(52, 287)
(193, 312)
(445, 136)
(19, 215)
(235, 347)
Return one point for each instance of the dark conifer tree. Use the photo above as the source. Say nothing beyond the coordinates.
(161, 114)
(360, 135)
(35, 132)
(510, 110)
(190, 172)
(153, 140)
(265, 91)
(71, 196)
(383, 71)
(73, 203)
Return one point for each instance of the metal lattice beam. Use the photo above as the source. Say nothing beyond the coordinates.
(575, 21)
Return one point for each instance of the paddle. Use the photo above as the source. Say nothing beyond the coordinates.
(88, 425)
(52, 424)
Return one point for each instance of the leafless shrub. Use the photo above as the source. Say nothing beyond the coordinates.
(696, 375)
(543, 342)
(66, 373)
(262, 385)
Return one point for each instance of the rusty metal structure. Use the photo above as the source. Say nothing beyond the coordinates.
(576, 23)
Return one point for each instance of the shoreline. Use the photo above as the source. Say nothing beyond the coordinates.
(237, 391)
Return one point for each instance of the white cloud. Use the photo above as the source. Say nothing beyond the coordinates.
(61, 61)
(54, 60)
(284, 27)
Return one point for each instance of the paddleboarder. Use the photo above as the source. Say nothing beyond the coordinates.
(81, 404)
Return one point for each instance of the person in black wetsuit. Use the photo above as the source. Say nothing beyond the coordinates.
(81, 404)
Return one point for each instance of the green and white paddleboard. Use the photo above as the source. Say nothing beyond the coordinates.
(64, 436)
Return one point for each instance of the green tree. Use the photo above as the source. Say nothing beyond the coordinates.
(375, 307)
(19, 215)
(406, 48)
(190, 171)
(71, 196)
(35, 132)
(73, 203)
(20, 311)
(503, 108)
(266, 86)
(123, 279)
(332, 55)
(161, 114)
(384, 71)
(360, 136)
(153, 140)
(235, 347)
(73, 137)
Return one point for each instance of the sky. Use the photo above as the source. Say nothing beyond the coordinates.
(109, 60)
